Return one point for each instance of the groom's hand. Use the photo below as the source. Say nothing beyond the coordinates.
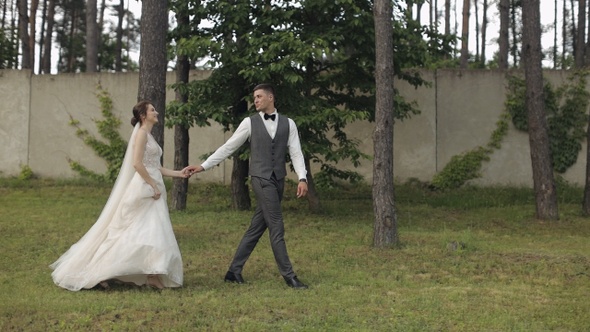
(301, 189)
(190, 170)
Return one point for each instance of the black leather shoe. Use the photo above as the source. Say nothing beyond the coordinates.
(295, 283)
(233, 277)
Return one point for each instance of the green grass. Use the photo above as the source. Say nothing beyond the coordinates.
(506, 271)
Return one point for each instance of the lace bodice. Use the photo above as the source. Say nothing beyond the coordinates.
(152, 154)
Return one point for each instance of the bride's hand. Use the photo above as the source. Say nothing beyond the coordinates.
(157, 193)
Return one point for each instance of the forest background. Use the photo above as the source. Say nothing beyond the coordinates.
(119, 26)
(323, 56)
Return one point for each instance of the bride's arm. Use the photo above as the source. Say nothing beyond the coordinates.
(173, 173)
(138, 151)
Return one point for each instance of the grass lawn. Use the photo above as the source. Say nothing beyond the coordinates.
(469, 260)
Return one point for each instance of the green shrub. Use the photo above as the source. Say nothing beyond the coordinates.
(114, 152)
(26, 173)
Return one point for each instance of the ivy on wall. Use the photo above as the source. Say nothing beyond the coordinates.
(566, 109)
(113, 152)
(467, 166)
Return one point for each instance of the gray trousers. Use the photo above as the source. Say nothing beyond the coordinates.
(269, 194)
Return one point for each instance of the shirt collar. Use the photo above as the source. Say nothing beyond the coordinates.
(275, 112)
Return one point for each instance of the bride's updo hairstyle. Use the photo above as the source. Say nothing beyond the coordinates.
(139, 110)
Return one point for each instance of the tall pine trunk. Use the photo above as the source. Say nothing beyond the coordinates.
(91, 37)
(555, 36)
(447, 21)
(119, 37)
(42, 35)
(544, 183)
(514, 46)
(47, 41)
(484, 28)
(23, 32)
(181, 136)
(580, 51)
(477, 32)
(564, 36)
(586, 201)
(465, 35)
(504, 8)
(447, 17)
(385, 224)
(152, 60)
(33, 30)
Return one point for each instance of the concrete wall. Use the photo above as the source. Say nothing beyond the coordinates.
(15, 89)
(459, 112)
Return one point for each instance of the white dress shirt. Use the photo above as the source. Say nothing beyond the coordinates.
(243, 133)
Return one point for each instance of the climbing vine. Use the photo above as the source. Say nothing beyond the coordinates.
(466, 166)
(566, 119)
(565, 109)
(113, 152)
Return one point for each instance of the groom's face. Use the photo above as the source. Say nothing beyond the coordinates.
(263, 101)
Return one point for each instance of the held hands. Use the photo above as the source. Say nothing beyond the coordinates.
(190, 170)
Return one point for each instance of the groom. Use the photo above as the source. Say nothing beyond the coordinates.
(271, 137)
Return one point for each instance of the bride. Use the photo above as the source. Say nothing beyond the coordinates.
(132, 241)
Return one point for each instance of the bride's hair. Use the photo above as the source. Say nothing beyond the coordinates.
(138, 110)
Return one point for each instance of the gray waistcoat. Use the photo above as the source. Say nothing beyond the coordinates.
(268, 155)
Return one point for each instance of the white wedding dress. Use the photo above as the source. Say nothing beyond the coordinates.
(133, 236)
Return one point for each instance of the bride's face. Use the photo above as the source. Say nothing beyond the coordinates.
(151, 116)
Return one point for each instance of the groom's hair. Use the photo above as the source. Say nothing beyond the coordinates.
(266, 87)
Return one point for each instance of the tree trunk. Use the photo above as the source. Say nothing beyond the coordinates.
(436, 15)
(514, 47)
(447, 22)
(484, 27)
(544, 183)
(504, 8)
(555, 37)
(239, 188)
(581, 35)
(72, 32)
(4, 11)
(385, 225)
(33, 30)
(587, 43)
(477, 27)
(564, 36)
(240, 168)
(465, 35)
(181, 135)
(419, 12)
(181, 158)
(23, 32)
(574, 29)
(42, 35)
(313, 197)
(152, 60)
(47, 42)
(91, 37)
(447, 17)
(586, 201)
(119, 41)
(432, 16)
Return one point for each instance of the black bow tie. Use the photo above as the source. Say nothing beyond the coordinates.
(272, 117)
